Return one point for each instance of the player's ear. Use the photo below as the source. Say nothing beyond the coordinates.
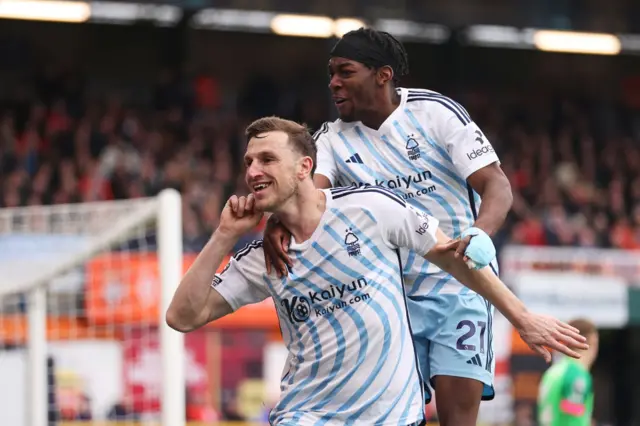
(384, 75)
(306, 165)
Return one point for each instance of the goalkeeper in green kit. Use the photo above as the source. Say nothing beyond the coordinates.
(566, 389)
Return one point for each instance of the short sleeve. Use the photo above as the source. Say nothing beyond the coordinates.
(469, 148)
(325, 161)
(241, 282)
(403, 225)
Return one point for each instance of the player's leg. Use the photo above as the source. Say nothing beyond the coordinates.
(458, 400)
(461, 358)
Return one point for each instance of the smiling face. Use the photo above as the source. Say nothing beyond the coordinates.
(274, 169)
(353, 87)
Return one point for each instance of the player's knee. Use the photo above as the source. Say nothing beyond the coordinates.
(458, 419)
(457, 410)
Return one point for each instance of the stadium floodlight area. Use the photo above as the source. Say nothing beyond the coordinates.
(82, 288)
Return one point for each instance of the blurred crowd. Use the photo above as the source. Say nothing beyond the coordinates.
(61, 149)
(574, 168)
(574, 165)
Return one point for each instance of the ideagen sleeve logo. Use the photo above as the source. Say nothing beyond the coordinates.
(485, 149)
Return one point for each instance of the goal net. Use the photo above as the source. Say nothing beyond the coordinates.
(83, 291)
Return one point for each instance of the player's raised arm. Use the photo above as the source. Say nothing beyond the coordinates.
(276, 244)
(321, 181)
(196, 301)
(404, 226)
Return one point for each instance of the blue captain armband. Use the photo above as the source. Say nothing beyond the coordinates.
(480, 250)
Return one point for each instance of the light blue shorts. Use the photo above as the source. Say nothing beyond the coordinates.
(453, 337)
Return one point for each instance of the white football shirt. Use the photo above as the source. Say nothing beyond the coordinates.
(342, 312)
(424, 151)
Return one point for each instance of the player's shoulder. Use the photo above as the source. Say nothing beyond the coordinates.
(248, 262)
(563, 373)
(435, 105)
(575, 370)
(250, 253)
(367, 196)
(329, 128)
(554, 372)
(426, 97)
(323, 130)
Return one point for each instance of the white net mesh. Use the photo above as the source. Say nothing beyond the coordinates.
(99, 264)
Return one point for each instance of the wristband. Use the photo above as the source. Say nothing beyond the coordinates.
(480, 250)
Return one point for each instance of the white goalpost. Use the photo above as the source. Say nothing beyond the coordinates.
(83, 293)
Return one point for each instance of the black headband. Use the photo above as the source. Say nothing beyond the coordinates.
(363, 50)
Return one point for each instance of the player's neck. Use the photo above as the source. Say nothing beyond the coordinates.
(585, 360)
(302, 213)
(374, 117)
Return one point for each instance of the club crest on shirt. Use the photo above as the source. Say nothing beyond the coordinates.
(352, 244)
(413, 148)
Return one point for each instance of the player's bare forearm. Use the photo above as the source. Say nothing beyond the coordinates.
(483, 281)
(495, 190)
(195, 302)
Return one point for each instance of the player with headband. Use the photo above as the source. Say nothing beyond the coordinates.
(426, 148)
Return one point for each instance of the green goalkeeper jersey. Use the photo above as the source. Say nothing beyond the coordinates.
(566, 395)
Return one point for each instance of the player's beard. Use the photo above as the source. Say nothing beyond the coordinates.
(288, 190)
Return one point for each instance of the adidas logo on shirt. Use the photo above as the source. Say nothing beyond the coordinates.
(355, 158)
